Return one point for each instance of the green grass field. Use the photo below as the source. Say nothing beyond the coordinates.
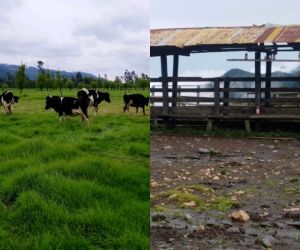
(74, 186)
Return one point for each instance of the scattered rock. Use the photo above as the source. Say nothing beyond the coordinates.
(189, 204)
(216, 178)
(158, 217)
(240, 216)
(170, 240)
(267, 242)
(201, 228)
(292, 213)
(154, 184)
(188, 217)
(203, 150)
(234, 230)
(172, 196)
(167, 147)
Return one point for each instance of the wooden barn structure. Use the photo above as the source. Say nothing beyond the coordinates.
(261, 101)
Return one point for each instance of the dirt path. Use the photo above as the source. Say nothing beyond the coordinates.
(197, 182)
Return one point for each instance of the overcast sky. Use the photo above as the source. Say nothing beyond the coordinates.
(96, 36)
(208, 13)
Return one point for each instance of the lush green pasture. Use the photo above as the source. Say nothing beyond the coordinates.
(73, 186)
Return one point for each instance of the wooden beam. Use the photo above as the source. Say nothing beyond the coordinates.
(217, 96)
(257, 82)
(175, 82)
(226, 94)
(164, 75)
(231, 79)
(268, 77)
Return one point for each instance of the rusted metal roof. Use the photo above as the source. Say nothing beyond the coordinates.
(184, 37)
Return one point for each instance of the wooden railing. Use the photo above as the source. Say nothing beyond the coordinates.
(220, 94)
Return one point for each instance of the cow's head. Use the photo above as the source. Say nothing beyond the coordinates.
(147, 101)
(16, 99)
(48, 102)
(106, 97)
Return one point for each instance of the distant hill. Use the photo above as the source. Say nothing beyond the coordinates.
(32, 72)
(243, 73)
(238, 73)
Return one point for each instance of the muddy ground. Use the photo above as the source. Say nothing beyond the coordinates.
(197, 182)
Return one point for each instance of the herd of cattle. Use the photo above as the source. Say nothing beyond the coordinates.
(68, 106)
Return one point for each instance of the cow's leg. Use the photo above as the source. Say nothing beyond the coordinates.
(9, 110)
(5, 109)
(60, 116)
(144, 110)
(84, 114)
(137, 108)
(125, 107)
(96, 110)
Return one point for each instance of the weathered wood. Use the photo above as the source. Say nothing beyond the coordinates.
(175, 74)
(257, 82)
(230, 111)
(247, 126)
(164, 73)
(231, 79)
(273, 90)
(226, 92)
(268, 77)
(209, 125)
(198, 93)
(217, 96)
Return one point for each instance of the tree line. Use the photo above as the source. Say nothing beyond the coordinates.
(47, 80)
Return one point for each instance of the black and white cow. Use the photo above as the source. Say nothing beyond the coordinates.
(96, 97)
(7, 99)
(135, 100)
(69, 106)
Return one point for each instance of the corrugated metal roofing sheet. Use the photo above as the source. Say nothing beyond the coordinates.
(183, 37)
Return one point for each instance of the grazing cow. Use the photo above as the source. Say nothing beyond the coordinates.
(135, 100)
(7, 99)
(96, 97)
(68, 106)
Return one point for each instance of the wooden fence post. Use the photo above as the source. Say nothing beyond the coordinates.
(226, 94)
(165, 93)
(268, 78)
(217, 95)
(257, 83)
(198, 94)
(175, 83)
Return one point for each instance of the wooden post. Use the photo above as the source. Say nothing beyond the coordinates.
(175, 83)
(198, 94)
(179, 95)
(217, 95)
(268, 78)
(209, 125)
(247, 127)
(226, 94)
(164, 74)
(257, 82)
(152, 93)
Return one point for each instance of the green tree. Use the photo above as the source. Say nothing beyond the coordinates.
(142, 83)
(70, 84)
(49, 83)
(4, 86)
(41, 80)
(94, 84)
(59, 81)
(21, 79)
